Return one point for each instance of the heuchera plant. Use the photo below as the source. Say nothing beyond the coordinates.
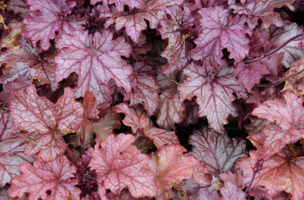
(151, 99)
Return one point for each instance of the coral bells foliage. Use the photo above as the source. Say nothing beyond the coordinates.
(151, 99)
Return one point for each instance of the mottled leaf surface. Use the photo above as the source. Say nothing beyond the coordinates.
(172, 166)
(214, 95)
(119, 164)
(219, 31)
(11, 150)
(54, 176)
(95, 59)
(263, 10)
(250, 74)
(278, 174)
(45, 122)
(216, 151)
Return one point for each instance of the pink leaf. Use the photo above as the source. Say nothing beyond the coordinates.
(96, 59)
(45, 122)
(54, 176)
(155, 10)
(145, 90)
(18, 6)
(171, 107)
(214, 95)
(250, 74)
(173, 166)
(144, 127)
(105, 127)
(27, 62)
(134, 118)
(176, 30)
(120, 4)
(46, 18)
(11, 150)
(221, 31)
(278, 174)
(119, 164)
(133, 22)
(261, 10)
(231, 192)
(288, 115)
(278, 36)
(216, 151)
(161, 137)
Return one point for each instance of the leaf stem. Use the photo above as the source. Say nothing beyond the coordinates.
(69, 151)
(279, 81)
(274, 51)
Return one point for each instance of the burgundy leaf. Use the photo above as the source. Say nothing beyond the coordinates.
(45, 122)
(54, 176)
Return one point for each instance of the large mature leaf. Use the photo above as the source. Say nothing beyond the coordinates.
(250, 74)
(172, 166)
(96, 59)
(119, 164)
(134, 23)
(214, 95)
(279, 173)
(176, 30)
(263, 10)
(45, 122)
(217, 151)
(46, 18)
(54, 176)
(11, 150)
(288, 115)
(221, 31)
(292, 50)
(145, 90)
(27, 62)
(272, 139)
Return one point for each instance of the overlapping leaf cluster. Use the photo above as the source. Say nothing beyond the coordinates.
(94, 93)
